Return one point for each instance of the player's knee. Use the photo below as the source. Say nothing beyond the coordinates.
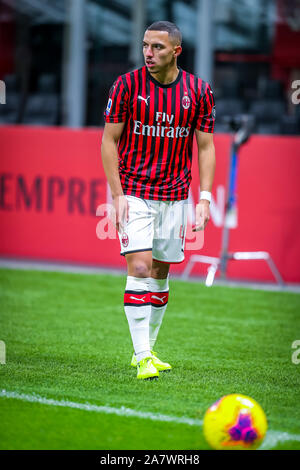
(160, 270)
(140, 269)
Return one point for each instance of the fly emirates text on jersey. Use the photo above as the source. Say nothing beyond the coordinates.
(160, 130)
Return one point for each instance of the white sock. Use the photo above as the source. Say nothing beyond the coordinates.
(159, 294)
(137, 308)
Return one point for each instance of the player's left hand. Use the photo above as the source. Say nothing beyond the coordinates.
(202, 215)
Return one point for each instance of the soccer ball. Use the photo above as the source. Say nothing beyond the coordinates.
(235, 422)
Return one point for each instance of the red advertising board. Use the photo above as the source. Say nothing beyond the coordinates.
(53, 201)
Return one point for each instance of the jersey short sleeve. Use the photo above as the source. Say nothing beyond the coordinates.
(117, 105)
(206, 111)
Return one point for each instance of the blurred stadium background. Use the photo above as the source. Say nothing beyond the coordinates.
(54, 51)
(58, 60)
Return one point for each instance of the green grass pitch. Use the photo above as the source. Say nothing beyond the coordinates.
(67, 338)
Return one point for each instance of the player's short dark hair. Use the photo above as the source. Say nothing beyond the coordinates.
(171, 28)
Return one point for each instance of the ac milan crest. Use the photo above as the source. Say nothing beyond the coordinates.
(125, 240)
(186, 102)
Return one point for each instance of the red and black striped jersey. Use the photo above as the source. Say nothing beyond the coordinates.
(155, 148)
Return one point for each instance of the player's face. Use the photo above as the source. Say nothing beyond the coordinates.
(159, 51)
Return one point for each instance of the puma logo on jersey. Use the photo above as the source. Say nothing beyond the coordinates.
(144, 99)
(142, 299)
(159, 298)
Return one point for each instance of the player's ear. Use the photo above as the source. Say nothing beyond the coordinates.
(177, 51)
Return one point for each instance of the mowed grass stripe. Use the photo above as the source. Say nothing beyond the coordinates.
(272, 439)
(29, 425)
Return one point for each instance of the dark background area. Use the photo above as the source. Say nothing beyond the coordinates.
(256, 58)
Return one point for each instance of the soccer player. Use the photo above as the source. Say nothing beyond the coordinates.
(151, 117)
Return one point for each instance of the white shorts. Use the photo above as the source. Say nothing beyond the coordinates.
(159, 226)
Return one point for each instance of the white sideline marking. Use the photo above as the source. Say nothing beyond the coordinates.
(271, 440)
(274, 437)
(101, 409)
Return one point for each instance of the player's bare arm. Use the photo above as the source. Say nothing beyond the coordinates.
(109, 152)
(207, 164)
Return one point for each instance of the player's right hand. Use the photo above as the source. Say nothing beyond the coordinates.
(202, 215)
(122, 212)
